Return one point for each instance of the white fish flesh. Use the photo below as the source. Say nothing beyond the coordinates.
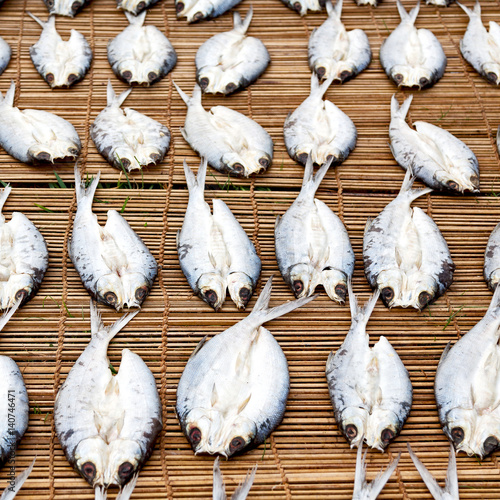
(114, 264)
(412, 57)
(5, 53)
(232, 393)
(467, 386)
(11, 491)
(480, 47)
(302, 6)
(492, 259)
(65, 7)
(24, 257)
(231, 142)
(231, 61)
(436, 157)
(141, 55)
(135, 6)
(370, 491)
(312, 245)
(126, 138)
(241, 492)
(35, 136)
(369, 387)
(107, 424)
(60, 63)
(335, 51)
(198, 10)
(319, 129)
(214, 251)
(405, 254)
(450, 491)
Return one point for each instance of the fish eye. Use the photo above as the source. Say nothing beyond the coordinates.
(21, 294)
(245, 295)
(179, 7)
(204, 82)
(198, 16)
(50, 3)
(89, 471)
(398, 78)
(387, 435)
(152, 76)
(457, 435)
(298, 287)
(321, 72)
(351, 431)
(211, 297)
(423, 81)
(111, 298)
(73, 151)
(297, 6)
(72, 78)
(237, 444)
(238, 169)
(424, 298)
(141, 5)
(43, 156)
(387, 294)
(492, 77)
(127, 75)
(141, 293)
(345, 75)
(452, 185)
(49, 77)
(195, 436)
(341, 291)
(231, 87)
(264, 162)
(490, 444)
(474, 180)
(302, 158)
(75, 6)
(125, 470)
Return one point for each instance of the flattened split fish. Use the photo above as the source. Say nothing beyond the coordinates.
(405, 254)
(412, 57)
(214, 251)
(233, 391)
(126, 138)
(480, 47)
(312, 245)
(141, 55)
(231, 60)
(241, 492)
(198, 10)
(60, 63)
(467, 386)
(65, 7)
(450, 491)
(319, 129)
(492, 259)
(107, 425)
(437, 158)
(5, 53)
(302, 6)
(231, 142)
(35, 136)
(335, 51)
(369, 387)
(114, 264)
(135, 6)
(24, 257)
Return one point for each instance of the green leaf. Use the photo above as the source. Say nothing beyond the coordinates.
(60, 181)
(124, 204)
(112, 368)
(44, 208)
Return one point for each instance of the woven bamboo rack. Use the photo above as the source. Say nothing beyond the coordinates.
(306, 457)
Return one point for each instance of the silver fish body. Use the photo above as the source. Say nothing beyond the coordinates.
(135, 6)
(126, 138)
(480, 47)
(319, 129)
(114, 264)
(436, 157)
(467, 386)
(5, 54)
(370, 388)
(233, 391)
(405, 254)
(214, 251)
(68, 8)
(141, 55)
(35, 136)
(492, 259)
(302, 6)
(60, 63)
(198, 10)
(412, 57)
(335, 51)
(231, 142)
(107, 425)
(231, 61)
(241, 492)
(312, 245)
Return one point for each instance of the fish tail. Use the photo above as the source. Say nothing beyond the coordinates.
(406, 189)
(334, 10)
(316, 88)
(361, 314)
(8, 100)
(97, 326)
(451, 476)
(311, 182)
(476, 11)
(136, 20)
(38, 20)
(4, 319)
(112, 100)
(4, 195)
(196, 184)
(219, 490)
(412, 16)
(432, 485)
(400, 111)
(377, 485)
(83, 193)
(126, 491)
(242, 26)
(243, 488)
(11, 491)
(196, 96)
(100, 493)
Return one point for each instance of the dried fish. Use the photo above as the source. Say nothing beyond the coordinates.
(135, 6)
(5, 53)
(302, 6)
(492, 259)
(65, 7)
(198, 10)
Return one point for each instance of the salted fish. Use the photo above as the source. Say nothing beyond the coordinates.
(412, 57)
(241, 492)
(24, 257)
(319, 129)
(231, 61)
(302, 6)
(65, 7)
(467, 386)
(450, 491)
(405, 254)
(436, 157)
(135, 6)
(312, 245)
(114, 264)
(5, 54)
(232, 393)
(107, 425)
(370, 388)
(215, 253)
(126, 138)
(335, 51)
(141, 55)
(198, 10)
(60, 63)
(35, 136)
(492, 259)
(481, 48)
(231, 142)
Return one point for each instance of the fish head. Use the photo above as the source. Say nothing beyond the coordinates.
(124, 458)
(135, 72)
(209, 79)
(237, 436)
(240, 288)
(232, 80)
(57, 149)
(18, 287)
(325, 67)
(353, 424)
(90, 458)
(420, 291)
(335, 283)
(390, 285)
(194, 10)
(463, 179)
(109, 291)
(63, 73)
(197, 427)
(383, 427)
(301, 280)
(135, 288)
(64, 7)
(134, 6)
(491, 71)
(459, 427)
(212, 289)
(486, 438)
(325, 152)
(412, 76)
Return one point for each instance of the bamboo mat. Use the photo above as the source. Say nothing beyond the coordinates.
(306, 457)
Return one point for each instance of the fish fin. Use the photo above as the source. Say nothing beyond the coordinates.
(431, 483)
(126, 491)
(361, 314)
(183, 95)
(190, 177)
(11, 491)
(405, 16)
(406, 189)
(112, 100)
(4, 319)
(136, 20)
(400, 111)
(277, 222)
(451, 476)
(334, 10)
(377, 485)
(494, 307)
(8, 100)
(39, 21)
(4, 195)
(82, 192)
(311, 182)
(476, 11)
(100, 493)
(360, 473)
(97, 326)
(197, 349)
(445, 352)
(243, 488)
(214, 397)
(368, 224)
(243, 25)
(219, 490)
(242, 406)
(318, 89)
